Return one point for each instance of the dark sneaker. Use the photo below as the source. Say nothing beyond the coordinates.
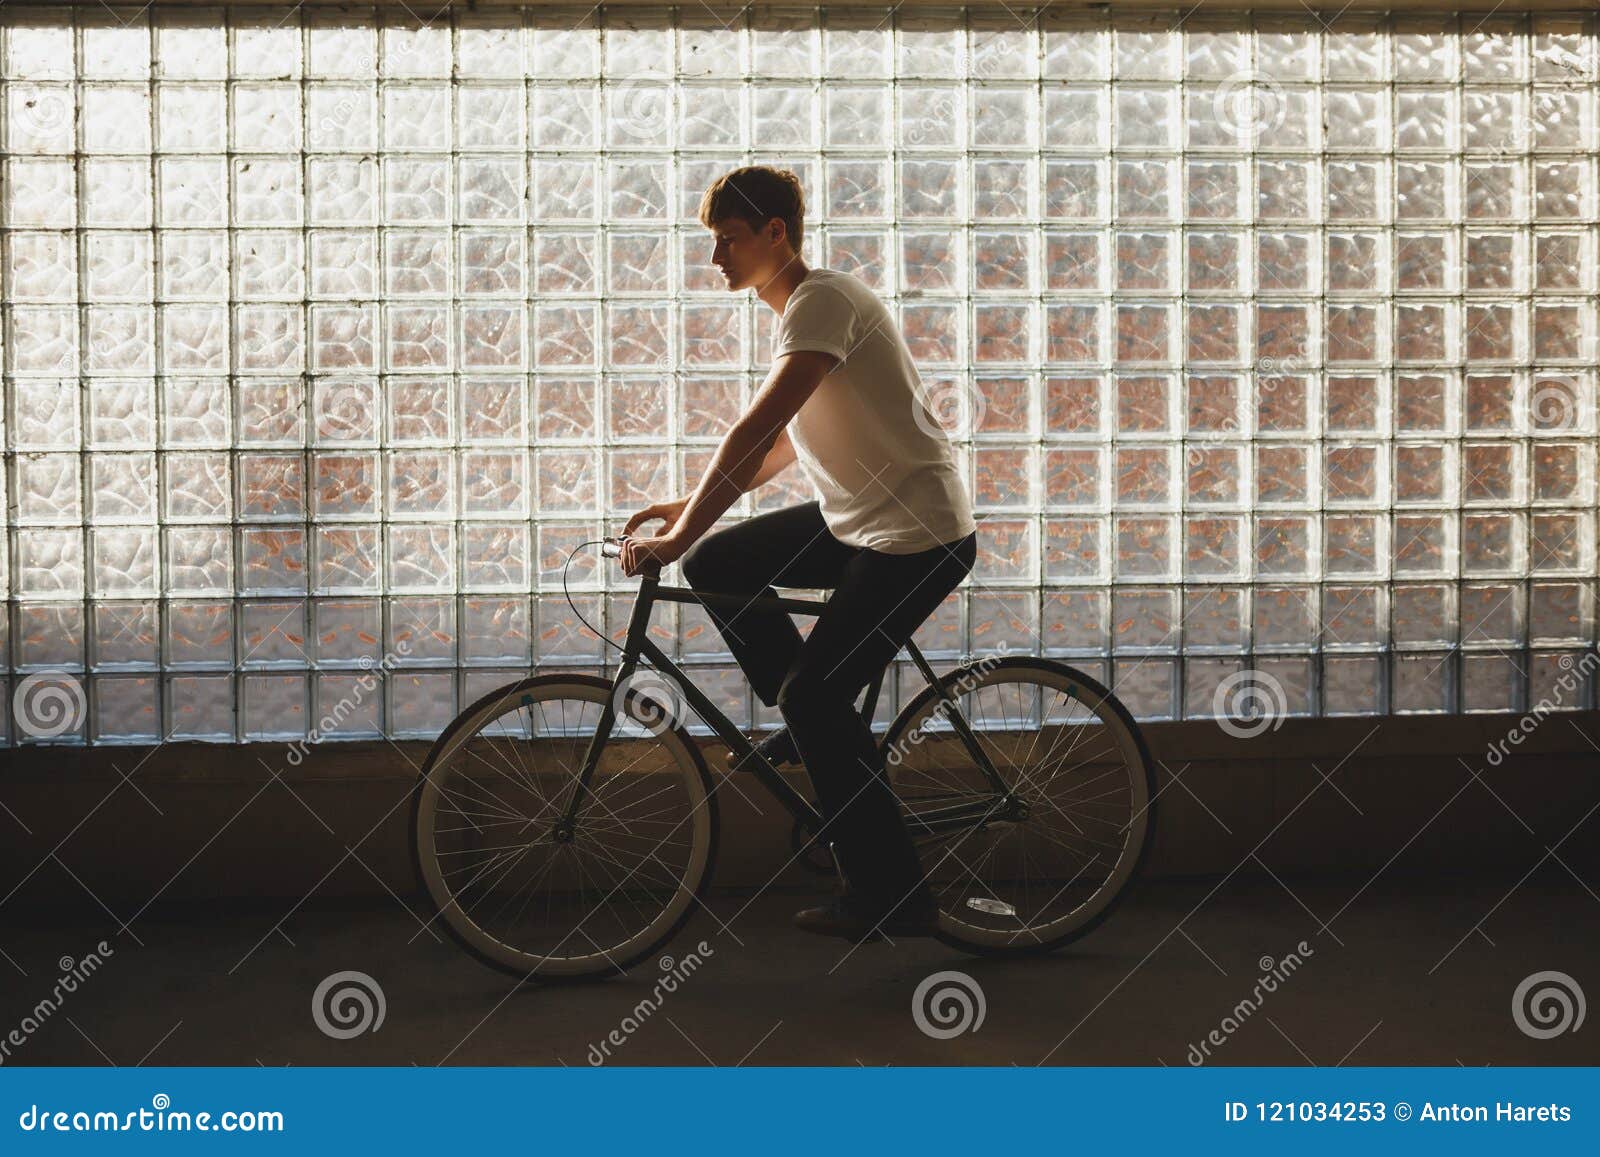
(850, 917)
(778, 747)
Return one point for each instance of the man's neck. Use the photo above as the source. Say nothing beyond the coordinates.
(780, 285)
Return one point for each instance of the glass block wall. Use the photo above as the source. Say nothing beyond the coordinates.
(1270, 347)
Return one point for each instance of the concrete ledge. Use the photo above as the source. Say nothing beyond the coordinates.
(124, 828)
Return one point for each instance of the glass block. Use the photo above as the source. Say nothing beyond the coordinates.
(1353, 685)
(127, 709)
(1076, 551)
(1213, 548)
(49, 707)
(1285, 546)
(495, 631)
(1002, 622)
(564, 639)
(349, 631)
(126, 635)
(349, 706)
(346, 559)
(1074, 622)
(200, 707)
(1422, 682)
(728, 691)
(1215, 618)
(662, 629)
(1560, 612)
(1217, 689)
(698, 637)
(423, 629)
(940, 633)
(1492, 682)
(421, 703)
(1491, 613)
(48, 563)
(1007, 550)
(1145, 618)
(1284, 618)
(274, 706)
(1560, 472)
(1352, 617)
(1296, 677)
(273, 633)
(1146, 548)
(1560, 681)
(199, 634)
(198, 560)
(1147, 686)
(124, 561)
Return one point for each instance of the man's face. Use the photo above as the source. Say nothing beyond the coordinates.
(748, 257)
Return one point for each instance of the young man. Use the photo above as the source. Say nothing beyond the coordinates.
(892, 534)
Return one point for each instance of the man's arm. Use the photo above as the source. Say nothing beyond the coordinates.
(741, 460)
(778, 459)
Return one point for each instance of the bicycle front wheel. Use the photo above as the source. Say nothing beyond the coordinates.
(1020, 880)
(516, 889)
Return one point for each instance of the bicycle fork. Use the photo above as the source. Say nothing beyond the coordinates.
(638, 623)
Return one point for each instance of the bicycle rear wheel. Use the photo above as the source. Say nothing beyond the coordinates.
(529, 899)
(1074, 758)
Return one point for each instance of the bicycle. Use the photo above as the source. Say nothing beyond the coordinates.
(593, 791)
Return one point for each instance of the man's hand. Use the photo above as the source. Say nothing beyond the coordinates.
(639, 554)
(667, 512)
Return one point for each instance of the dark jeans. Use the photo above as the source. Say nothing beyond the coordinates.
(878, 602)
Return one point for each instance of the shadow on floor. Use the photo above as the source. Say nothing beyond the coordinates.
(1396, 971)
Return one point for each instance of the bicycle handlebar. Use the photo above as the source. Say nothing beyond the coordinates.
(612, 548)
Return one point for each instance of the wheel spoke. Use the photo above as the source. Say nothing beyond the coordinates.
(1067, 756)
(503, 870)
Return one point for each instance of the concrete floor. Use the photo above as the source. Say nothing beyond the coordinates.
(1400, 976)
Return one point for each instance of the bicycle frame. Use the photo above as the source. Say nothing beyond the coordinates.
(638, 646)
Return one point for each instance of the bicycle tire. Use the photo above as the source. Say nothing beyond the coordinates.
(958, 932)
(485, 710)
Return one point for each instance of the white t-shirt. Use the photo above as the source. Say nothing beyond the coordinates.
(884, 472)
